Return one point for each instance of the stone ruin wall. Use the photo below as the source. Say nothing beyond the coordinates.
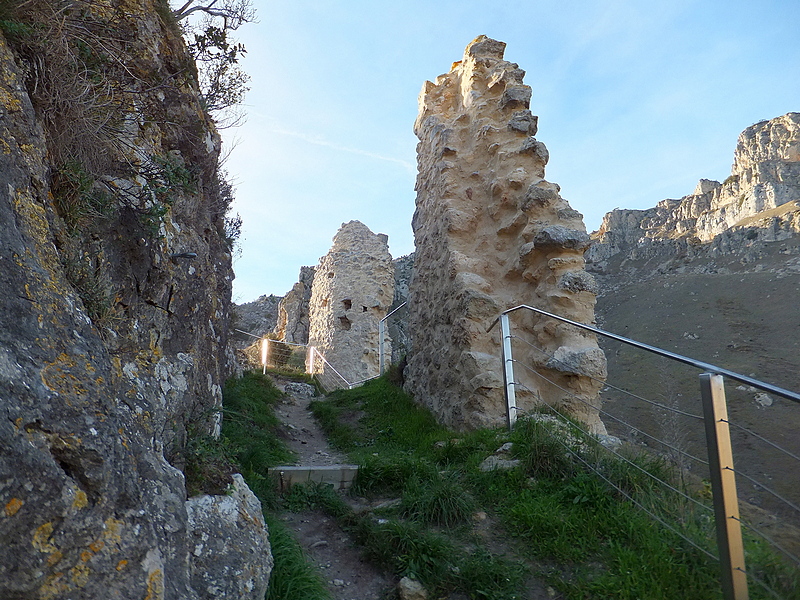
(293, 324)
(352, 291)
(491, 233)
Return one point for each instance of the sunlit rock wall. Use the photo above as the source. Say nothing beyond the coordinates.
(491, 233)
(114, 304)
(762, 195)
(293, 309)
(352, 291)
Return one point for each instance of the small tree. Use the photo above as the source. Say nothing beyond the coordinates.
(223, 84)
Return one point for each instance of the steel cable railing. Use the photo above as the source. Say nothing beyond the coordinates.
(765, 440)
(775, 494)
(763, 584)
(768, 539)
(618, 389)
(716, 421)
(617, 454)
(632, 499)
(610, 416)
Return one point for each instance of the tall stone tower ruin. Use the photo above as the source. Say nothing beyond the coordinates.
(352, 291)
(491, 234)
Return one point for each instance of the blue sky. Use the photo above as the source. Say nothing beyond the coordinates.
(637, 100)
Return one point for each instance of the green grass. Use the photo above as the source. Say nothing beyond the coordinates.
(249, 431)
(567, 505)
(570, 525)
(293, 577)
(250, 426)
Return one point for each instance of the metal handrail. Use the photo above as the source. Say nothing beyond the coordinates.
(733, 577)
(767, 387)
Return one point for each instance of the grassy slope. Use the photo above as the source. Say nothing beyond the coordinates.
(563, 524)
(598, 545)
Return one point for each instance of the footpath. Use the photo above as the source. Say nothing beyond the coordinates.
(347, 574)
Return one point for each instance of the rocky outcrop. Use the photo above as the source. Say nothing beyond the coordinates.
(397, 324)
(114, 304)
(760, 195)
(258, 317)
(352, 291)
(230, 557)
(491, 233)
(293, 311)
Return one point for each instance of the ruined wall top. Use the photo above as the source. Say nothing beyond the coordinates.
(352, 291)
(490, 233)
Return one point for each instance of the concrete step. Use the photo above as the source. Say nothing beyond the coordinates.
(340, 476)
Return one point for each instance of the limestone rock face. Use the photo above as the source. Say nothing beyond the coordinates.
(352, 291)
(258, 317)
(761, 193)
(230, 555)
(293, 324)
(491, 233)
(114, 304)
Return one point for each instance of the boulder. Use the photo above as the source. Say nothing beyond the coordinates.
(229, 542)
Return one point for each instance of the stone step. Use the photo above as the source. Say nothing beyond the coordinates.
(340, 476)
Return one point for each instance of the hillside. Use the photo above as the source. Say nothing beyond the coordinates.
(725, 294)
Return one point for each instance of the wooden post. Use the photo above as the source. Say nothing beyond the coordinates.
(723, 487)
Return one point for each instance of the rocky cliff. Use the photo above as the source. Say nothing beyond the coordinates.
(114, 308)
(353, 289)
(760, 201)
(491, 233)
(258, 317)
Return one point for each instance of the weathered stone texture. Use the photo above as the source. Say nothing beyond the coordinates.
(761, 194)
(491, 233)
(293, 311)
(230, 556)
(397, 324)
(258, 317)
(352, 291)
(102, 372)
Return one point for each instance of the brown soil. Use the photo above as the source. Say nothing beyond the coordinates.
(739, 315)
(348, 574)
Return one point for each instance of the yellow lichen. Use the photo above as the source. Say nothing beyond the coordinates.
(9, 101)
(155, 585)
(86, 556)
(97, 545)
(113, 531)
(79, 575)
(81, 500)
(122, 564)
(54, 558)
(13, 505)
(41, 538)
(53, 587)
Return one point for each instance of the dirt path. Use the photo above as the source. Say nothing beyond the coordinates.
(348, 575)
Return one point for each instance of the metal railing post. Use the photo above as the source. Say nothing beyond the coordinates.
(264, 354)
(508, 372)
(723, 487)
(311, 351)
(381, 333)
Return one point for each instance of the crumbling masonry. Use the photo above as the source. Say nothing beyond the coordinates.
(352, 291)
(491, 234)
